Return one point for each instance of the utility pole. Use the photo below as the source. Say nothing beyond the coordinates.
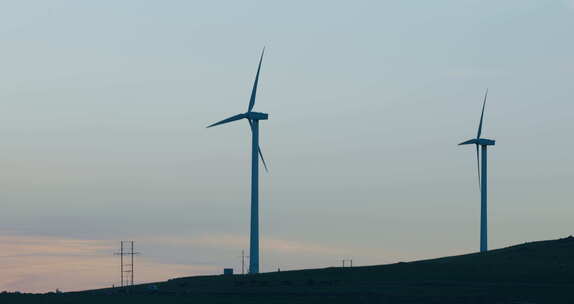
(132, 262)
(347, 260)
(243, 256)
(122, 263)
(126, 270)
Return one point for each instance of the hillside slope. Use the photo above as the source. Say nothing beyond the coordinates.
(537, 272)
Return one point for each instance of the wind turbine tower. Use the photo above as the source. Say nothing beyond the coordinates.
(253, 118)
(481, 162)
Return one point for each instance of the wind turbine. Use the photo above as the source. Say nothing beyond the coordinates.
(483, 143)
(253, 118)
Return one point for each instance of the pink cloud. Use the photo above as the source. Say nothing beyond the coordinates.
(40, 264)
(240, 241)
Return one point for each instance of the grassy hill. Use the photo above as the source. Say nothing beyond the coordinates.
(537, 272)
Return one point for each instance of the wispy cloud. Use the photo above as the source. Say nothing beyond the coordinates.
(39, 264)
(240, 241)
(20, 246)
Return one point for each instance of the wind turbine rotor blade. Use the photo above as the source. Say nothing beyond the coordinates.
(259, 149)
(262, 159)
(482, 115)
(468, 142)
(254, 90)
(478, 166)
(230, 119)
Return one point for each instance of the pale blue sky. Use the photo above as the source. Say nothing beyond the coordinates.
(105, 103)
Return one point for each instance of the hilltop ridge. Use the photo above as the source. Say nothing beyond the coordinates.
(538, 270)
(534, 272)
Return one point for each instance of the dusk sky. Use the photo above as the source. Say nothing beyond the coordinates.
(104, 106)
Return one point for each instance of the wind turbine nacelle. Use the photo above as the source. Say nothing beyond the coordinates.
(479, 141)
(257, 116)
